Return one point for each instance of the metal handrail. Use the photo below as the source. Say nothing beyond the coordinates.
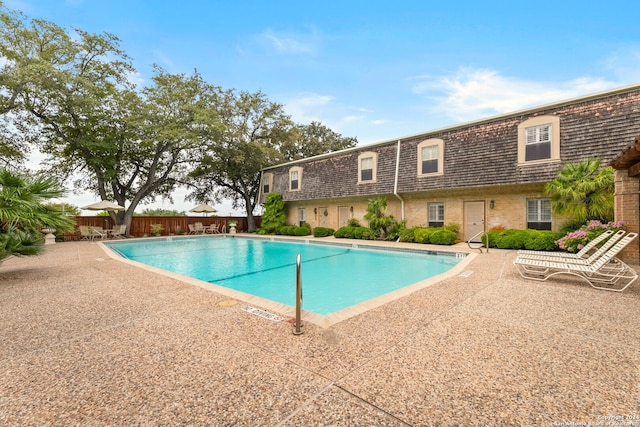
(298, 321)
(481, 242)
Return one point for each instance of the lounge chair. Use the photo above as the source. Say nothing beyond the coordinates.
(192, 229)
(582, 253)
(85, 232)
(97, 232)
(119, 231)
(605, 272)
(213, 228)
(199, 228)
(585, 259)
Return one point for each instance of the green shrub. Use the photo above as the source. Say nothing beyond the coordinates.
(323, 232)
(423, 234)
(511, 239)
(395, 230)
(293, 230)
(542, 240)
(353, 222)
(453, 227)
(344, 232)
(407, 235)
(443, 237)
(301, 231)
(364, 233)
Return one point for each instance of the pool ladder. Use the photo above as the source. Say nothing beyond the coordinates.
(482, 244)
(298, 320)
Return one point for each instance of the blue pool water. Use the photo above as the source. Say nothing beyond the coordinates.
(334, 277)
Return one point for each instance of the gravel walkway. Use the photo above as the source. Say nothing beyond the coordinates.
(87, 340)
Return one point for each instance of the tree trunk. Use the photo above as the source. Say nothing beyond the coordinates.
(251, 221)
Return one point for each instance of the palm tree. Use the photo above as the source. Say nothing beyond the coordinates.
(583, 191)
(23, 213)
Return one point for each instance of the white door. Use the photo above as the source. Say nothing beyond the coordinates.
(323, 217)
(473, 220)
(343, 216)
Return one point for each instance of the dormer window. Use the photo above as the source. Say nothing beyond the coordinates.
(431, 157)
(266, 183)
(295, 178)
(539, 140)
(367, 167)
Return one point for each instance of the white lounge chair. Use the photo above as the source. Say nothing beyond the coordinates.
(582, 253)
(199, 228)
(606, 272)
(573, 258)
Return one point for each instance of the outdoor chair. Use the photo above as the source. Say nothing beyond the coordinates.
(85, 232)
(199, 228)
(119, 231)
(574, 258)
(606, 272)
(582, 253)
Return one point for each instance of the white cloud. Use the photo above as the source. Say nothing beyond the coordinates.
(290, 43)
(471, 94)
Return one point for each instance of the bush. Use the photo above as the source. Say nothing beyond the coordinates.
(344, 232)
(574, 241)
(443, 237)
(538, 240)
(408, 235)
(293, 230)
(453, 227)
(364, 233)
(510, 239)
(353, 222)
(542, 240)
(423, 234)
(395, 230)
(323, 232)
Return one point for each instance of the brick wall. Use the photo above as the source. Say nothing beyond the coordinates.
(627, 209)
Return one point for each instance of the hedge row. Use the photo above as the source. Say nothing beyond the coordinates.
(537, 240)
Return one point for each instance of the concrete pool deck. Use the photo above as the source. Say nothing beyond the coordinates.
(91, 340)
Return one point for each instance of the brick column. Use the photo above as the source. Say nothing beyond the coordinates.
(627, 209)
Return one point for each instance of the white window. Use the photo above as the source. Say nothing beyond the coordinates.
(266, 183)
(430, 157)
(295, 178)
(367, 167)
(539, 214)
(436, 214)
(538, 143)
(302, 216)
(539, 140)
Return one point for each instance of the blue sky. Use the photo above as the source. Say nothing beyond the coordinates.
(371, 69)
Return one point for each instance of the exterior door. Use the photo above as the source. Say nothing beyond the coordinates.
(323, 217)
(473, 220)
(343, 216)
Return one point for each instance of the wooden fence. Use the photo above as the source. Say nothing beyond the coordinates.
(169, 225)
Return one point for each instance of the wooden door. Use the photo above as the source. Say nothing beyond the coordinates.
(343, 216)
(473, 220)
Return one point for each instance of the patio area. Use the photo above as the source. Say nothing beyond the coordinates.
(90, 340)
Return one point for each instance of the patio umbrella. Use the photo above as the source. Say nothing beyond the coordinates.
(104, 205)
(205, 209)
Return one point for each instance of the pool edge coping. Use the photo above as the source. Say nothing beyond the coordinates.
(289, 311)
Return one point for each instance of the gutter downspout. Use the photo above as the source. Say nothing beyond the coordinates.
(395, 182)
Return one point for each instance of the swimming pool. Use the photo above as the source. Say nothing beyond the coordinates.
(334, 276)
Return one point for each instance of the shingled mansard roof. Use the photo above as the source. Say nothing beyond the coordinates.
(617, 163)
